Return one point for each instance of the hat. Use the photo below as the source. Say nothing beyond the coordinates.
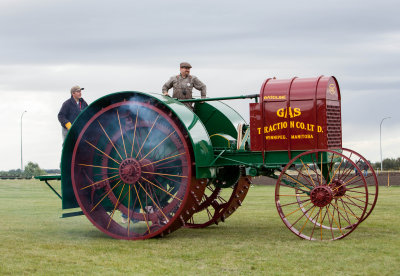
(76, 88)
(186, 64)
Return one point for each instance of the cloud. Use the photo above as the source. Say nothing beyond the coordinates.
(49, 46)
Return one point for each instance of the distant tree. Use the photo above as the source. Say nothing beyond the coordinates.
(53, 171)
(376, 165)
(11, 173)
(33, 169)
(388, 164)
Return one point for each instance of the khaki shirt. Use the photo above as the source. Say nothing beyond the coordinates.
(182, 87)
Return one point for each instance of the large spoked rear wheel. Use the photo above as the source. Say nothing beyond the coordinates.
(132, 171)
(321, 196)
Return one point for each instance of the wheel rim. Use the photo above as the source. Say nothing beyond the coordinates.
(218, 204)
(318, 196)
(132, 158)
(372, 180)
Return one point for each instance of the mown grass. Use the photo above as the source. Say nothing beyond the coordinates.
(34, 240)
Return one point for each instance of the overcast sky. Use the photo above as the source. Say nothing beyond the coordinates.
(46, 47)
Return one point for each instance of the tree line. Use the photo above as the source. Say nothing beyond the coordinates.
(388, 164)
(31, 169)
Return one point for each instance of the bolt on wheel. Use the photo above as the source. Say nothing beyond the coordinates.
(319, 195)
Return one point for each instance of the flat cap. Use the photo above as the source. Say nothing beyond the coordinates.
(186, 64)
(76, 88)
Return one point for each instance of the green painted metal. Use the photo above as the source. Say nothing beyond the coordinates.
(225, 141)
(260, 161)
(49, 177)
(201, 144)
(274, 159)
(219, 118)
(72, 214)
(252, 96)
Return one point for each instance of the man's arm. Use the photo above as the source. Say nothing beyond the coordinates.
(62, 116)
(200, 86)
(168, 85)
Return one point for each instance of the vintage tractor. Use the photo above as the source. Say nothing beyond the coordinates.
(163, 165)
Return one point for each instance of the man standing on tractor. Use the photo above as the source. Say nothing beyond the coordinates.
(183, 84)
(71, 109)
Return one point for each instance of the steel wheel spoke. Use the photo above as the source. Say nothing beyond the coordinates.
(105, 196)
(110, 140)
(102, 152)
(122, 135)
(297, 182)
(315, 223)
(134, 132)
(312, 211)
(157, 146)
(308, 173)
(161, 188)
(298, 209)
(141, 207)
(147, 136)
(338, 207)
(158, 207)
(93, 166)
(175, 175)
(111, 217)
(163, 159)
(129, 203)
(99, 182)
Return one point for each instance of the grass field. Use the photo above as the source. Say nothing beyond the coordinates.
(34, 240)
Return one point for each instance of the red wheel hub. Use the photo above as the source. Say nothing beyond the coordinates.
(338, 187)
(321, 196)
(130, 171)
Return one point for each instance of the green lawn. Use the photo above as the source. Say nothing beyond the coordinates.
(34, 240)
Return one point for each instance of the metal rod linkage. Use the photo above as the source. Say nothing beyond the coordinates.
(252, 96)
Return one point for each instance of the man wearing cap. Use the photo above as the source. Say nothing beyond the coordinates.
(183, 84)
(71, 109)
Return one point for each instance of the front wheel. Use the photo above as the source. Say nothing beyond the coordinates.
(320, 195)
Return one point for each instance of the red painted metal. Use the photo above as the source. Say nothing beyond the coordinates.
(130, 170)
(297, 114)
(321, 196)
(317, 208)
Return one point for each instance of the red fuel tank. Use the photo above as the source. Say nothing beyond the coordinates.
(297, 114)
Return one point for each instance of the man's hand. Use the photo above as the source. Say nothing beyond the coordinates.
(68, 125)
(165, 94)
